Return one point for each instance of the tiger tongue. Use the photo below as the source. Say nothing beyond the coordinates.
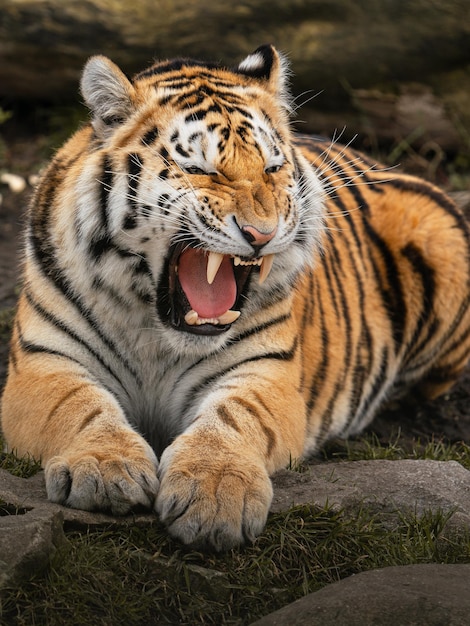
(210, 301)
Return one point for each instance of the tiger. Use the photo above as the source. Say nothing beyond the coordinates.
(208, 295)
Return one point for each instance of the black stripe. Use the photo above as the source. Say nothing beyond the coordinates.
(200, 114)
(343, 301)
(458, 341)
(33, 348)
(427, 276)
(362, 367)
(449, 334)
(343, 370)
(281, 355)
(319, 376)
(252, 410)
(106, 184)
(257, 330)
(46, 258)
(39, 233)
(325, 261)
(360, 169)
(390, 289)
(101, 241)
(378, 384)
(306, 320)
(57, 323)
(150, 136)
(327, 415)
(174, 65)
(134, 168)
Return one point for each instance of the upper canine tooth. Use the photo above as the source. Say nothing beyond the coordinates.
(229, 317)
(265, 267)
(214, 261)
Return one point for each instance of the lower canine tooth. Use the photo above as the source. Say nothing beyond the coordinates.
(265, 267)
(191, 317)
(229, 317)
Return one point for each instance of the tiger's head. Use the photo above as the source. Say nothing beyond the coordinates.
(202, 180)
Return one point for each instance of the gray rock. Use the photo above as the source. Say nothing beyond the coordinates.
(28, 543)
(414, 595)
(382, 486)
(30, 493)
(32, 528)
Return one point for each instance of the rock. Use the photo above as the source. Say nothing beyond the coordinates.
(30, 493)
(413, 595)
(366, 58)
(382, 486)
(32, 528)
(28, 543)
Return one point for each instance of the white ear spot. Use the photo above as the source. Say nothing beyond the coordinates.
(252, 63)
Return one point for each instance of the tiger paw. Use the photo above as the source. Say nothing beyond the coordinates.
(103, 479)
(212, 500)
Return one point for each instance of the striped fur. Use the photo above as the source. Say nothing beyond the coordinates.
(367, 298)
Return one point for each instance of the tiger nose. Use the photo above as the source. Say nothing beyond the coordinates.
(256, 237)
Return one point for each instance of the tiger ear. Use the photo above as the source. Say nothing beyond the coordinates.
(107, 92)
(268, 65)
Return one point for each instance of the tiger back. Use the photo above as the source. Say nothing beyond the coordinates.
(207, 295)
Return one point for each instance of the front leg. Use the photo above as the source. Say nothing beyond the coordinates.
(215, 488)
(92, 457)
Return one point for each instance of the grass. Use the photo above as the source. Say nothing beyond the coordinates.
(143, 577)
(370, 448)
(140, 575)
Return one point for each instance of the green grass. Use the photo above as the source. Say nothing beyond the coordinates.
(369, 448)
(141, 576)
(23, 467)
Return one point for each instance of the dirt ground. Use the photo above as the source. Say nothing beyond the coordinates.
(22, 153)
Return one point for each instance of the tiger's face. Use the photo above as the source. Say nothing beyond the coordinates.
(205, 184)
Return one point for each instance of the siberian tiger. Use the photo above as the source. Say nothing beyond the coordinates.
(208, 295)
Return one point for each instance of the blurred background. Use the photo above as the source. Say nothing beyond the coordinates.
(396, 72)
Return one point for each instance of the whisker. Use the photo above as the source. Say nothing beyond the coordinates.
(296, 106)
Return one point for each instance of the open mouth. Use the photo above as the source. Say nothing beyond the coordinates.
(203, 292)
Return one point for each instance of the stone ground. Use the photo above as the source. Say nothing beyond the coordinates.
(31, 529)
